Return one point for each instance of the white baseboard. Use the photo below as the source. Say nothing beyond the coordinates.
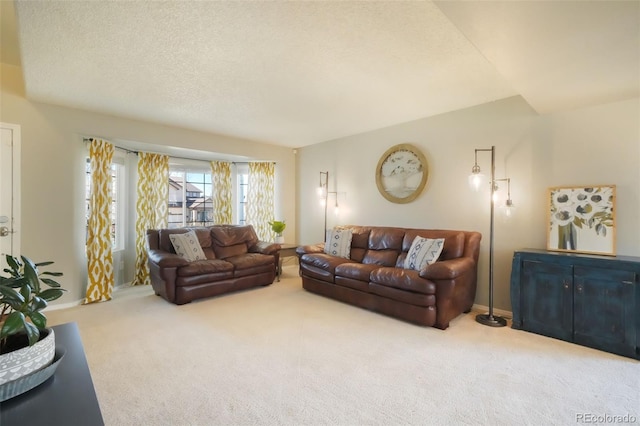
(58, 306)
(501, 312)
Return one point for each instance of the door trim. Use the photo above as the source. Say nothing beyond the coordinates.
(16, 218)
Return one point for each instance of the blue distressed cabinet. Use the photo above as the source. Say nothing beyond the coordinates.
(589, 300)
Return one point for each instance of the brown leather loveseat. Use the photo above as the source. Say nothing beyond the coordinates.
(234, 260)
(374, 276)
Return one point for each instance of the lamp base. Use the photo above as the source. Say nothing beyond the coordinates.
(491, 320)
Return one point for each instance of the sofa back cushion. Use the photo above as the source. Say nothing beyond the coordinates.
(203, 234)
(230, 251)
(232, 240)
(388, 246)
(359, 242)
(385, 244)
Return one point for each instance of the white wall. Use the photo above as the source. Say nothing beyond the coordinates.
(598, 145)
(52, 171)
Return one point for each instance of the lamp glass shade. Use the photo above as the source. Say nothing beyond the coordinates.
(508, 209)
(496, 194)
(475, 180)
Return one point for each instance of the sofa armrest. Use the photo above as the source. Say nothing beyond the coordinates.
(165, 259)
(264, 247)
(448, 269)
(312, 248)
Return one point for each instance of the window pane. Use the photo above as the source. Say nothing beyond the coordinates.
(190, 198)
(117, 186)
(243, 185)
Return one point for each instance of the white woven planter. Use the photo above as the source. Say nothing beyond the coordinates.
(24, 361)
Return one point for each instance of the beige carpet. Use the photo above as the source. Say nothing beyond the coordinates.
(281, 356)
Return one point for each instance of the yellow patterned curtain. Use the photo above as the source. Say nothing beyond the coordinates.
(221, 194)
(99, 255)
(152, 206)
(260, 198)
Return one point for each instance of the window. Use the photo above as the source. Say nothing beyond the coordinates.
(191, 190)
(242, 172)
(189, 197)
(117, 201)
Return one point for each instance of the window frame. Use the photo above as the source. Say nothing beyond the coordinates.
(186, 169)
(240, 192)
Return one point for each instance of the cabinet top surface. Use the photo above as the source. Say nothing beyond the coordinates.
(557, 254)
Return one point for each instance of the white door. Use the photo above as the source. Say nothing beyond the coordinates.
(9, 191)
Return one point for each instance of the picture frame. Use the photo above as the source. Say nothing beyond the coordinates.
(402, 173)
(582, 219)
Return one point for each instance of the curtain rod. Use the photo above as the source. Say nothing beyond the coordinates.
(128, 151)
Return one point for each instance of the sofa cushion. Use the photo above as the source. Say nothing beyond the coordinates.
(204, 237)
(385, 244)
(357, 271)
(250, 260)
(201, 267)
(359, 242)
(403, 296)
(380, 257)
(338, 242)
(316, 273)
(386, 239)
(351, 283)
(230, 251)
(423, 252)
(164, 242)
(204, 280)
(406, 279)
(187, 246)
(230, 235)
(206, 242)
(323, 261)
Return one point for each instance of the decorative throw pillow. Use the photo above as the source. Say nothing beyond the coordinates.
(187, 246)
(423, 252)
(338, 242)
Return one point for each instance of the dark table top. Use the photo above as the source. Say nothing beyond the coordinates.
(67, 398)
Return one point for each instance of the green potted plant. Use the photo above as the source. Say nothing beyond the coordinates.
(24, 293)
(278, 228)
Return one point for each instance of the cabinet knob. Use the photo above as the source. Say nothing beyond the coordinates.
(566, 285)
(579, 289)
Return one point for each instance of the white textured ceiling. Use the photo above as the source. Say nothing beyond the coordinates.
(296, 73)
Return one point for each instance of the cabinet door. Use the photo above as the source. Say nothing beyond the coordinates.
(604, 307)
(546, 299)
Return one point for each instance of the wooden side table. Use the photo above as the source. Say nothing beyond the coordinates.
(286, 250)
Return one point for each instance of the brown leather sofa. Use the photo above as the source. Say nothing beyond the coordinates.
(374, 278)
(235, 260)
